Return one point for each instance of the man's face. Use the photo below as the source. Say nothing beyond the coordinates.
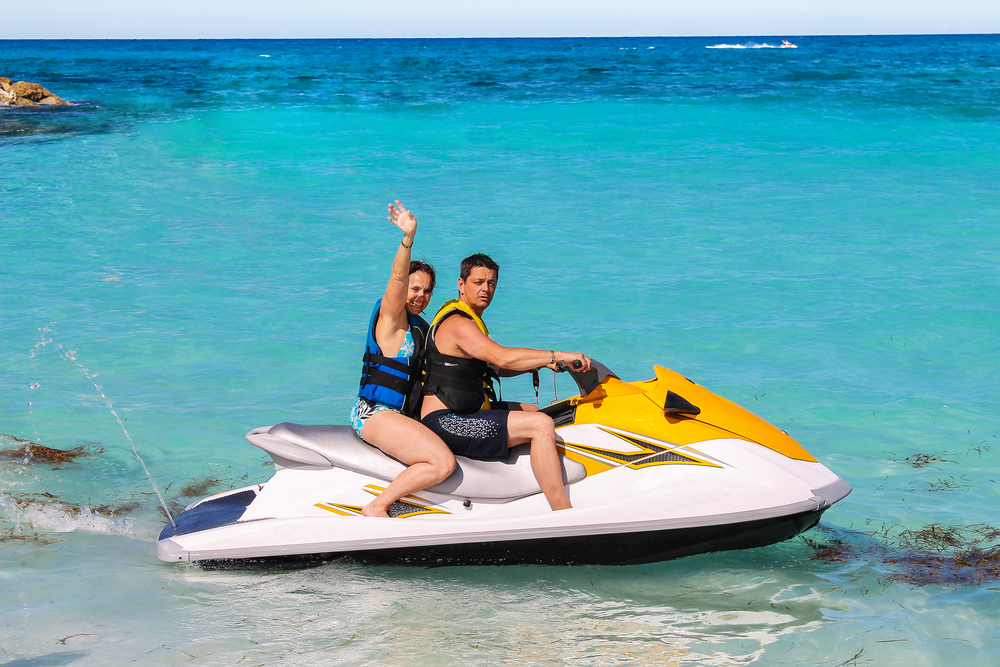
(477, 290)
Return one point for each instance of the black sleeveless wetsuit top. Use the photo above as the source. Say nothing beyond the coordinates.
(458, 382)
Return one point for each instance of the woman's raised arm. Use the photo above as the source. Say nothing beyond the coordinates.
(392, 315)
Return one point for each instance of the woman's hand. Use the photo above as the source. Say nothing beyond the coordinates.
(403, 219)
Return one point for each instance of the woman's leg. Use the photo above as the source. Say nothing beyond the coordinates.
(410, 442)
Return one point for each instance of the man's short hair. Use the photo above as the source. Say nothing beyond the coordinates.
(475, 261)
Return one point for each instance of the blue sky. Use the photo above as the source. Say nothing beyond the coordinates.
(57, 19)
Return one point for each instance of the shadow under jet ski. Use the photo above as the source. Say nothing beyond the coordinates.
(657, 469)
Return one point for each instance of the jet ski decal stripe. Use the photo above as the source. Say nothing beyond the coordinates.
(588, 460)
(617, 456)
(669, 457)
(398, 510)
(332, 507)
(405, 507)
(653, 454)
(661, 455)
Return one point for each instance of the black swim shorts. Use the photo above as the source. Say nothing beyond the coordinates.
(481, 435)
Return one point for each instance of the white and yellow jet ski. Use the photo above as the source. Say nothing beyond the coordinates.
(655, 470)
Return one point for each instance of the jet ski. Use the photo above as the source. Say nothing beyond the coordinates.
(655, 470)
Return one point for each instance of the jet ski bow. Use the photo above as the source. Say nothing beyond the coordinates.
(656, 469)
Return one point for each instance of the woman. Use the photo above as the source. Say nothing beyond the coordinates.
(390, 381)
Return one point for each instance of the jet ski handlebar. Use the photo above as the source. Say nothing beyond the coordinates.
(561, 366)
(587, 381)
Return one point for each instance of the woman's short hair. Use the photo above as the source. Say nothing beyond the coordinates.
(417, 265)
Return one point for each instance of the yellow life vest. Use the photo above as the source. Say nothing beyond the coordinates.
(458, 304)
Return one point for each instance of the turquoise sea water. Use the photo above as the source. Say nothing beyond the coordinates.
(195, 247)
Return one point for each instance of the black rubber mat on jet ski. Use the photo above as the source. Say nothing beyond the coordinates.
(210, 514)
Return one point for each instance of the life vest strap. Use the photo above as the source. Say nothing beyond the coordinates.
(390, 362)
(462, 383)
(388, 380)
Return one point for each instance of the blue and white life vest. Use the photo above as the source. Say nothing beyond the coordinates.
(391, 380)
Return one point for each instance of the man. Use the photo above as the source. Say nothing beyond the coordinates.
(459, 356)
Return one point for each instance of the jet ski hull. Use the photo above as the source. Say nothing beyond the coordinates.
(616, 549)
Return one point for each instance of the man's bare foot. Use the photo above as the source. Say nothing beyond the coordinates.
(372, 509)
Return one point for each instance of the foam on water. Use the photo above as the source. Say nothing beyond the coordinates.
(56, 517)
(749, 45)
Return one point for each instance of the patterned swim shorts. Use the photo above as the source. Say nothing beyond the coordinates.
(363, 410)
(481, 435)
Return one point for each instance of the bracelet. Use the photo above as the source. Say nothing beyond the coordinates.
(406, 246)
(553, 354)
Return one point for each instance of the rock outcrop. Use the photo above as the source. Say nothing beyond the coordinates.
(24, 94)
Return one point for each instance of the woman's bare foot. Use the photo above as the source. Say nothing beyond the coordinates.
(374, 509)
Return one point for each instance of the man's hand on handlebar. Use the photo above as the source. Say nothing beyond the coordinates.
(571, 361)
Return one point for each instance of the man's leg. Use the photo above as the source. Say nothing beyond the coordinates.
(538, 429)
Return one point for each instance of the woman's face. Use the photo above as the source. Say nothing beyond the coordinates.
(418, 295)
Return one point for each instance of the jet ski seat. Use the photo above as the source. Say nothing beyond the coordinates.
(322, 446)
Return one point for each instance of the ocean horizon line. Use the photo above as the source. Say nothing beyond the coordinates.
(487, 37)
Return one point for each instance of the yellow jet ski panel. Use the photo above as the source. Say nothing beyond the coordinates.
(639, 407)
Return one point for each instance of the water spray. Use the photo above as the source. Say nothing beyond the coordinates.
(70, 356)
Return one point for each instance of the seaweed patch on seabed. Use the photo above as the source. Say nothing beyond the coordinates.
(206, 486)
(29, 450)
(212, 482)
(924, 460)
(27, 538)
(55, 122)
(932, 555)
(198, 488)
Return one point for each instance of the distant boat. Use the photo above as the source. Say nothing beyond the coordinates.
(785, 44)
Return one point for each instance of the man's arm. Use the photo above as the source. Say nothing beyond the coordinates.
(470, 340)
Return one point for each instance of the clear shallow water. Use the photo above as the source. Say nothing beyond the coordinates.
(811, 233)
